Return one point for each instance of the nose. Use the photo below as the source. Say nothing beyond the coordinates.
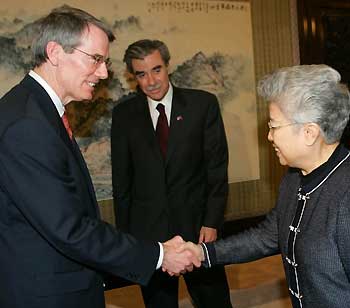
(102, 71)
(151, 79)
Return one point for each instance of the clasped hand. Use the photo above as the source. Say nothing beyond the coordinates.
(180, 256)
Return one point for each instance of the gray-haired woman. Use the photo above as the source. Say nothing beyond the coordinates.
(310, 225)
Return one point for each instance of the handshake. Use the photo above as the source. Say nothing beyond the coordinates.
(180, 256)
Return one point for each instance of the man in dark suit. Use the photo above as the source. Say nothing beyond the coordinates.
(169, 163)
(54, 247)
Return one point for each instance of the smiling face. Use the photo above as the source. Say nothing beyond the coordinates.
(151, 74)
(286, 138)
(77, 73)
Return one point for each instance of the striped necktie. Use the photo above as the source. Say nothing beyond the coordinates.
(67, 126)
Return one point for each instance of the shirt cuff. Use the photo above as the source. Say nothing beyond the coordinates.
(206, 263)
(161, 256)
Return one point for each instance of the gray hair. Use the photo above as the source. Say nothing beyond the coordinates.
(310, 93)
(142, 48)
(64, 25)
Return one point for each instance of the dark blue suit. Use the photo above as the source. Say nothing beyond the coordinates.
(156, 198)
(53, 246)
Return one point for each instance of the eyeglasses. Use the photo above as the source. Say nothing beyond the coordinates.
(97, 59)
(271, 127)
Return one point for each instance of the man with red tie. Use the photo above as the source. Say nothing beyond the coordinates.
(54, 248)
(169, 170)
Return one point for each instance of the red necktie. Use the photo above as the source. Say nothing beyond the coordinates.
(66, 125)
(162, 129)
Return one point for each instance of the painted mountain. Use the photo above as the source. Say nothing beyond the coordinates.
(91, 121)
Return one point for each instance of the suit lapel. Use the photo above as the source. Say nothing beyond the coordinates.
(47, 107)
(49, 111)
(177, 118)
(144, 121)
(87, 178)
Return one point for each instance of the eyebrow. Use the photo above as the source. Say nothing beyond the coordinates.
(139, 72)
(156, 67)
(152, 69)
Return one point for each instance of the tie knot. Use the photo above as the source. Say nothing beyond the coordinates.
(161, 108)
(64, 117)
(67, 126)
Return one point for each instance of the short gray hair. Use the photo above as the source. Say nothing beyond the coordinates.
(310, 93)
(142, 48)
(64, 25)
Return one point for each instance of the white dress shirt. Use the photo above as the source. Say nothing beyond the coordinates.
(54, 97)
(166, 101)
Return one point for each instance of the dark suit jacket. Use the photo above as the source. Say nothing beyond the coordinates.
(158, 199)
(52, 244)
(322, 245)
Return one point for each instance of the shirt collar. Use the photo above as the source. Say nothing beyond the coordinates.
(54, 97)
(166, 100)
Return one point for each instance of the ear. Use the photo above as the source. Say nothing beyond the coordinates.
(168, 68)
(311, 132)
(53, 51)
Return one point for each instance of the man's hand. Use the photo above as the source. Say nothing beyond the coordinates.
(196, 250)
(178, 260)
(207, 234)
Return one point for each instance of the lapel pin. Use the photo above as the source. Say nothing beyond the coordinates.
(179, 118)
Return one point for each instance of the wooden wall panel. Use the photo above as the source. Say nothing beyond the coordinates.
(274, 31)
